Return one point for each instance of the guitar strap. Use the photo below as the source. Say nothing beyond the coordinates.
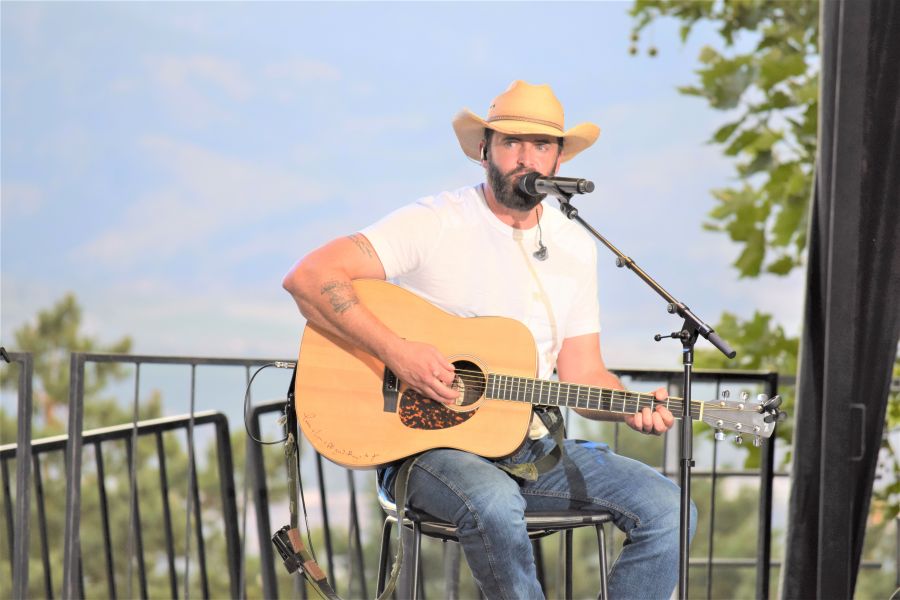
(553, 420)
(307, 563)
(311, 570)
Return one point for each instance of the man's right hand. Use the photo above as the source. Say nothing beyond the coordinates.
(423, 368)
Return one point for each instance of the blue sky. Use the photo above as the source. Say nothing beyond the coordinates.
(168, 162)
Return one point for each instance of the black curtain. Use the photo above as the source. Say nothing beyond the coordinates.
(852, 310)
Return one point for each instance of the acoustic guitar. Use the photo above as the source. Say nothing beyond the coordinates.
(355, 412)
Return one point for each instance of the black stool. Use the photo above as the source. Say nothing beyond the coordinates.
(539, 524)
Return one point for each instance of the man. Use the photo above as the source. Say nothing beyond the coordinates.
(493, 250)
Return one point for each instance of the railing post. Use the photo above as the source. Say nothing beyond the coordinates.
(71, 556)
(767, 478)
(257, 470)
(21, 529)
(229, 507)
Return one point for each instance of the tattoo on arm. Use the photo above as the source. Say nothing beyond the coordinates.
(341, 295)
(363, 244)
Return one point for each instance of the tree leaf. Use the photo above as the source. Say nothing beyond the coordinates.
(750, 260)
(724, 132)
(747, 137)
(782, 266)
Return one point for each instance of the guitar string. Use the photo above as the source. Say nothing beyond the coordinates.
(592, 392)
(595, 395)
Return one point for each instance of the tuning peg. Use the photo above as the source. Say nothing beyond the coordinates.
(773, 402)
(739, 439)
(781, 416)
(745, 396)
(726, 394)
(761, 398)
(720, 435)
(757, 441)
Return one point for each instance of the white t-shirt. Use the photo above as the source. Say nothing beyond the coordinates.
(453, 251)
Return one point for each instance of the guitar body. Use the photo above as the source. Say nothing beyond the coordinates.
(350, 418)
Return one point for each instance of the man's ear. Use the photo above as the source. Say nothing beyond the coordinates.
(482, 151)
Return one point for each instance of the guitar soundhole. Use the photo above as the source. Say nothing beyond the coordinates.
(418, 412)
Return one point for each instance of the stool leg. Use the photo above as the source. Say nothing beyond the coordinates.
(539, 563)
(568, 534)
(384, 558)
(601, 544)
(417, 561)
(451, 569)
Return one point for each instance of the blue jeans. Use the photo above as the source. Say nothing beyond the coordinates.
(488, 506)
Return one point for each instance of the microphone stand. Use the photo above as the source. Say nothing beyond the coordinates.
(692, 327)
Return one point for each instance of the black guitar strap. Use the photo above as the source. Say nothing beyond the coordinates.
(552, 419)
(292, 550)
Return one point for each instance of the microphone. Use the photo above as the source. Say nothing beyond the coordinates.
(533, 184)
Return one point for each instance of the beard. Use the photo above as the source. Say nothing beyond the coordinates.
(506, 188)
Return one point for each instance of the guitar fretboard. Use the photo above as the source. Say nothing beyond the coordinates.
(545, 392)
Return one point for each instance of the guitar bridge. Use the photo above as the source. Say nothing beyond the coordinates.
(390, 390)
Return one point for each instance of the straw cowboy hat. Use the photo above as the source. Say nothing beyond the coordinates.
(522, 109)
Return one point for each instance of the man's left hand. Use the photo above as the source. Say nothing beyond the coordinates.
(656, 421)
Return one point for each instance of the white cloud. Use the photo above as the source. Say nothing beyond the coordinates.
(205, 194)
(21, 199)
(300, 70)
(375, 125)
(193, 87)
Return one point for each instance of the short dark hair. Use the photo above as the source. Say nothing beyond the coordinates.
(489, 134)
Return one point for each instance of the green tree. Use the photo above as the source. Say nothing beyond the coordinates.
(766, 77)
(51, 337)
(54, 334)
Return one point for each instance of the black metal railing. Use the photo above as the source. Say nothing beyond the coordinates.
(18, 526)
(262, 502)
(257, 480)
(102, 438)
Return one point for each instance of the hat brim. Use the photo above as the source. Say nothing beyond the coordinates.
(469, 129)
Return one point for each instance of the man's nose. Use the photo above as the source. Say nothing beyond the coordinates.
(528, 156)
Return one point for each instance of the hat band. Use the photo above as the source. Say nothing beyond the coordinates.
(526, 119)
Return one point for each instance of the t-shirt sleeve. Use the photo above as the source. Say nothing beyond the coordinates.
(405, 238)
(584, 316)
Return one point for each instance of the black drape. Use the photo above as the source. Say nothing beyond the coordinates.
(852, 311)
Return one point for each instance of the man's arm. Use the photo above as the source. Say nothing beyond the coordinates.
(581, 361)
(321, 285)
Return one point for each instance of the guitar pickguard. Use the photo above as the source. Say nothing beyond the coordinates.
(419, 412)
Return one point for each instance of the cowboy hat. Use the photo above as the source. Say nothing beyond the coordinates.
(523, 109)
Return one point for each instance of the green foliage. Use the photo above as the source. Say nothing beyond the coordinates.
(761, 345)
(886, 497)
(52, 336)
(771, 91)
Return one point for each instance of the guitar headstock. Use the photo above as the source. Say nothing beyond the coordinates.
(744, 417)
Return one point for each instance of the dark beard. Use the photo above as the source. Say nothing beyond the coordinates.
(506, 188)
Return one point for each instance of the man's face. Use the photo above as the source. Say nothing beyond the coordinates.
(510, 157)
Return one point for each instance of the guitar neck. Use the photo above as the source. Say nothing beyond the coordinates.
(544, 392)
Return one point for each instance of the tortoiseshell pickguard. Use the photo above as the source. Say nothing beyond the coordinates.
(419, 412)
